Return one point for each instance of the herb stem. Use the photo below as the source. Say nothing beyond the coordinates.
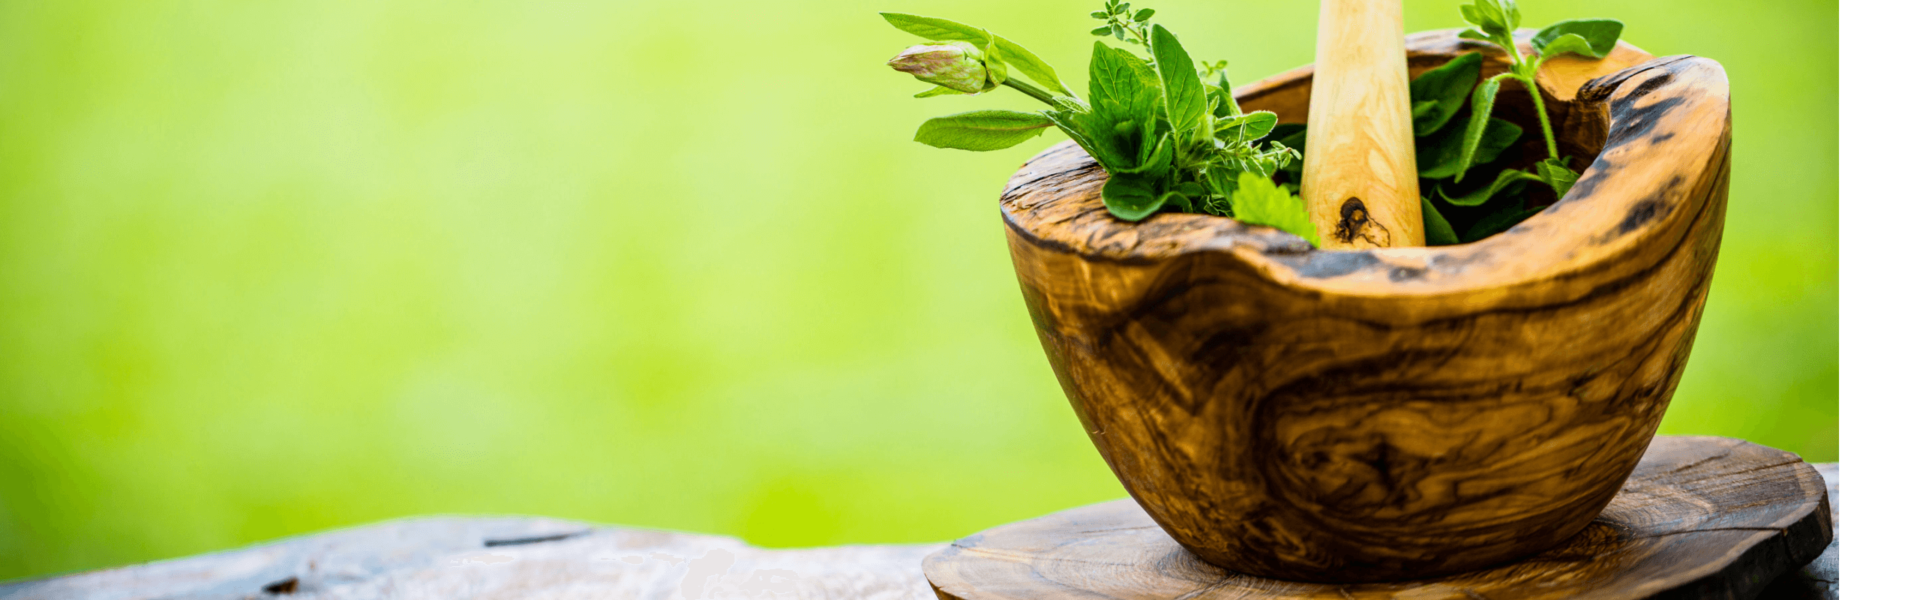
(1035, 91)
(1540, 106)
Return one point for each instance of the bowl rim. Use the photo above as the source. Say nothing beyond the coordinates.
(1665, 161)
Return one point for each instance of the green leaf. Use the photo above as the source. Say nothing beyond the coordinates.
(1471, 14)
(1439, 231)
(1130, 198)
(1102, 31)
(1099, 15)
(1569, 43)
(1476, 35)
(1091, 134)
(1186, 99)
(981, 130)
(1507, 177)
(1422, 107)
(1447, 88)
(1256, 200)
(1477, 125)
(1499, 221)
(1256, 124)
(1143, 15)
(1154, 159)
(940, 90)
(1592, 38)
(1126, 81)
(1437, 157)
(1555, 172)
(936, 29)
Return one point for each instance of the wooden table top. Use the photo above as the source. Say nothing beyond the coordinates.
(468, 557)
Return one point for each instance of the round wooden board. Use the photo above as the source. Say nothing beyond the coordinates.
(1701, 517)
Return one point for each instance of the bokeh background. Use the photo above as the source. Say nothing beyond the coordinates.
(269, 267)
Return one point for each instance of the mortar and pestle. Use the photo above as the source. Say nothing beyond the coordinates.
(1376, 410)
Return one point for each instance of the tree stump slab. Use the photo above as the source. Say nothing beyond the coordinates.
(1700, 517)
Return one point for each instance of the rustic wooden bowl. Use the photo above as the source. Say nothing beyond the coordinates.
(1397, 413)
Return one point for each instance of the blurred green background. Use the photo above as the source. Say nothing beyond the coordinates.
(273, 267)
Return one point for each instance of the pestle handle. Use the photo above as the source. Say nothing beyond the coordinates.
(1360, 181)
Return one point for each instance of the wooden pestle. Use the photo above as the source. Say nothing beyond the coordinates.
(1360, 182)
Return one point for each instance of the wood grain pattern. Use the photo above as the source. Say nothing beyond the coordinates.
(1359, 181)
(508, 559)
(1700, 518)
(464, 557)
(1400, 412)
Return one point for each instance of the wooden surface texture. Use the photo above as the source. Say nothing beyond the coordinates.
(448, 557)
(1701, 518)
(1352, 415)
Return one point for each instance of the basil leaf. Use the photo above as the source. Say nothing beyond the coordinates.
(1130, 197)
(1421, 108)
(1256, 200)
(1592, 38)
(999, 48)
(1477, 124)
(981, 130)
(1438, 159)
(1555, 172)
(1439, 231)
(1500, 220)
(1480, 196)
(1447, 87)
(1186, 101)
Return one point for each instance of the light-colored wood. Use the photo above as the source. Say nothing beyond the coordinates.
(506, 559)
(1360, 182)
(1354, 415)
(1700, 518)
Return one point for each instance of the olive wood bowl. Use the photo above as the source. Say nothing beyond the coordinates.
(1400, 413)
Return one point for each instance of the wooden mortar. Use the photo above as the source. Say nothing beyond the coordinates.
(1395, 413)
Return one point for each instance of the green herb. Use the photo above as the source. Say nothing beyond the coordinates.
(1259, 201)
(1495, 22)
(1166, 129)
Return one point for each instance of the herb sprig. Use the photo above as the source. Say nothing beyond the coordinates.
(1167, 131)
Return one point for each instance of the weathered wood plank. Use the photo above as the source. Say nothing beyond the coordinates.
(448, 557)
(506, 558)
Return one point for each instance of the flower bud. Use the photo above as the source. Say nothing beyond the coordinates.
(956, 65)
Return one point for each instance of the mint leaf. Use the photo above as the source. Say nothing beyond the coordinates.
(999, 48)
(1186, 100)
(1130, 197)
(1252, 126)
(1592, 38)
(981, 130)
(1500, 220)
(1569, 43)
(1256, 200)
(1447, 88)
(1439, 231)
(1480, 196)
(1091, 134)
(1555, 172)
(1477, 125)
(1437, 157)
(1124, 80)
